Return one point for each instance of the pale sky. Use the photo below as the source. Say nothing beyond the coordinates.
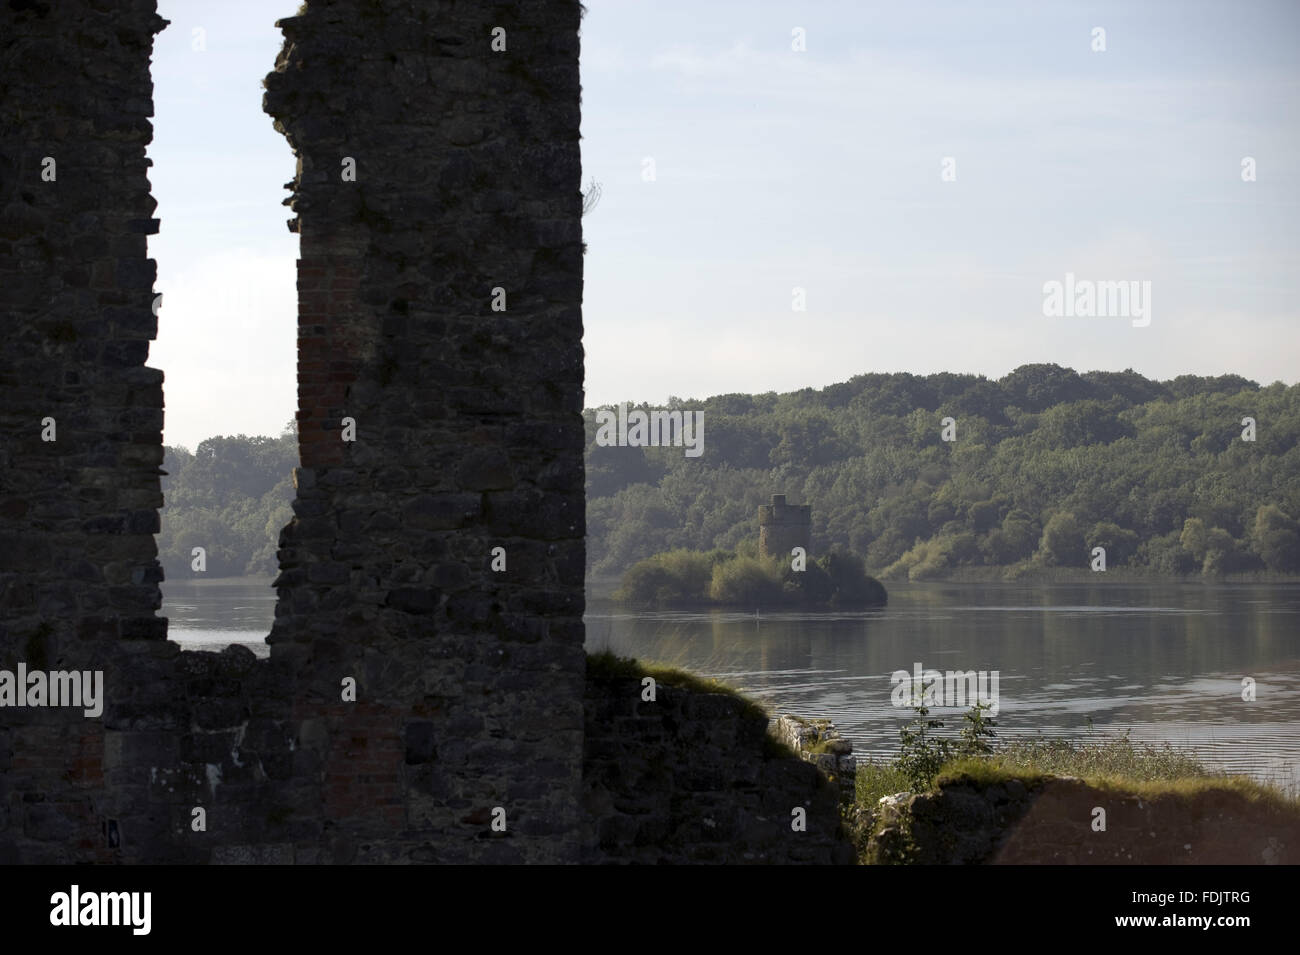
(821, 170)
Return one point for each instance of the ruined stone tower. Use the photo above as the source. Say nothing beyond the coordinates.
(438, 557)
(426, 697)
(782, 527)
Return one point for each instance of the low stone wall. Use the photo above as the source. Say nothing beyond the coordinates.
(180, 732)
(688, 777)
(819, 742)
(1055, 820)
(695, 777)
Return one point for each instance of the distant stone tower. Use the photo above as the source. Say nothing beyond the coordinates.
(783, 527)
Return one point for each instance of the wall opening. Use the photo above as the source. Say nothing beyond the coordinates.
(227, 325)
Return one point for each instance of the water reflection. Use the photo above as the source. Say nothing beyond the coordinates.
(1164, 661)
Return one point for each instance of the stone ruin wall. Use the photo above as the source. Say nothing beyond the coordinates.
(81, 418)
(439, 309)
(699, 778)
(469, 681)
(820, 743)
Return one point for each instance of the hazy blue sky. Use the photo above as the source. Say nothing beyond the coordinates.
(821, 169)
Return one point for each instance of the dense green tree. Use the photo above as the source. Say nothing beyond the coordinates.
(1037, 387)
(1166, 555)
(1195, 538)
(1082, 423)
(1185, 386)
(1131, 459)
(1127, 385)
(1155, 472)
(231, 497)
(1020, 536)
(984, 516)
(748, 582)
(1220, 551)
(610, 469)
(1120, 542)
(1276, 538)
(808, 439)
(850, 586)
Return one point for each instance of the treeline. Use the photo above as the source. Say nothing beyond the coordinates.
(231, 497)
(1046, 465)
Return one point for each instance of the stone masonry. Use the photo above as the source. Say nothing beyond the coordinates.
(783, 527)
(80, 414)
(696, 777)
(439, 308)
(820, 743)
(426, 681)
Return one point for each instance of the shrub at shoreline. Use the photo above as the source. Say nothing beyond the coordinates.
(721, 578)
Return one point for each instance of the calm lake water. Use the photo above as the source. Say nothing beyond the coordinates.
(1163, 661)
